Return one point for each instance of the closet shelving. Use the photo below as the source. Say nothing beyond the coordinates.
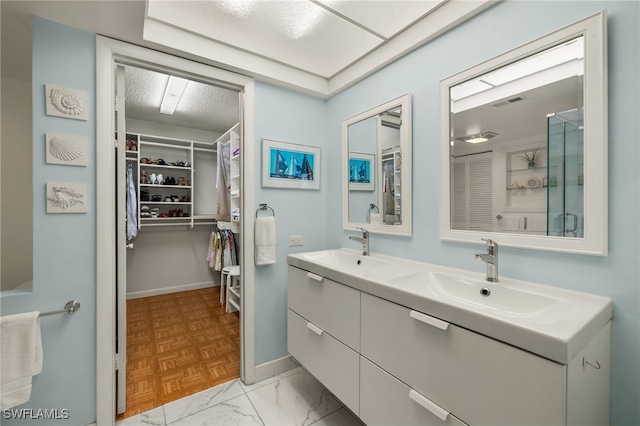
(177, 184)
(232, 137)
(393, 161)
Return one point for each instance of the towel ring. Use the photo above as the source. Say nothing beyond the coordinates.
(264, 206)
(372, 207)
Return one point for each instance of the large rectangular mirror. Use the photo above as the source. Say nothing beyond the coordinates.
(524, 145)
(16, 149)
(376, 178)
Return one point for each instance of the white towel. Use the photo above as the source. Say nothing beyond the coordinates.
(375, 218)
(20, 357)
(511, 223)
(265, 240)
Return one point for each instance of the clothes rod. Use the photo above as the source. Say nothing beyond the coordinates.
(71, 307)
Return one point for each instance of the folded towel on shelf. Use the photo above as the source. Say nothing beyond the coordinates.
(20, 357)
(265, 240)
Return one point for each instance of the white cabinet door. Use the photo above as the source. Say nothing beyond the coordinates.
(384, 400)
(331, 306)
(331, 362)
(480, 380)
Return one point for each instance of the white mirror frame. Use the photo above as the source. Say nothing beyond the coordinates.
(405, 228)
(595, 142)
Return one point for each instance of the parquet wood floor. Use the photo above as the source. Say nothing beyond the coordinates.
(178, 344)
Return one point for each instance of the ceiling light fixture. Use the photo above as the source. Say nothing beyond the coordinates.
(478, 138)
(172, 94)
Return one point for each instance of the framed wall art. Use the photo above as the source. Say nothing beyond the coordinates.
(361, 171)
(288, 165)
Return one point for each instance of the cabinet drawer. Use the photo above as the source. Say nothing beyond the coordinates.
(331, 306)
(384, 400)
(331, 362)
(481, 380)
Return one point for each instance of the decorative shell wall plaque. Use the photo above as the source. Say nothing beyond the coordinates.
(66, 197)
(66, 149)
(66, 102)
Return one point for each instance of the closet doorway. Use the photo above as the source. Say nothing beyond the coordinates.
(178, 199)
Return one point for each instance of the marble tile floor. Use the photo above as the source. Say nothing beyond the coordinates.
(291, 398)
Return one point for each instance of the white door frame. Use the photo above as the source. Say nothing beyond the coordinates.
(108, 51)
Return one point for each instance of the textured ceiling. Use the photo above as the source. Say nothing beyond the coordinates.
(318, 36)
(310, 45)
(202, 106)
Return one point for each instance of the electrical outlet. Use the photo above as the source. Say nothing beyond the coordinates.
(295, 240)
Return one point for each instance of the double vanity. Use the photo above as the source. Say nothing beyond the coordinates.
(401, 342)
(406, 343)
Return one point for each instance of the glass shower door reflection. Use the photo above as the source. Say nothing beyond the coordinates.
(565, 192)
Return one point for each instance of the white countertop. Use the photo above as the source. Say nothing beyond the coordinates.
(551, 322)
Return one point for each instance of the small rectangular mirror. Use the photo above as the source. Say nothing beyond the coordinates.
(524, 145)
(376, 178)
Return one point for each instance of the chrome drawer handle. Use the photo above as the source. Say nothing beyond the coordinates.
(429, 405)
(438, 323)
(315, 329)
(314, 276)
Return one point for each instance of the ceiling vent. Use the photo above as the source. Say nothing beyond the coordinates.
(508, 101)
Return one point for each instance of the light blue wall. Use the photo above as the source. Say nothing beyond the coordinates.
(286, 116)
(63, 244)
(501, 28)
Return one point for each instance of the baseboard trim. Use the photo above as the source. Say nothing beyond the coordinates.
(273, 368)
(167, 290)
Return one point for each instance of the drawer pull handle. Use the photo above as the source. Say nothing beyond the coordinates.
(315, 329)
(314, 276)
(429, 405)
(442, 325)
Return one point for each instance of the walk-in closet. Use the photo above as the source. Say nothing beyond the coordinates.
(178, 188)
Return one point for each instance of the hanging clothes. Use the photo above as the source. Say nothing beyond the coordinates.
(222, 250)
(389, 208)
(132, 205)
(223, 183)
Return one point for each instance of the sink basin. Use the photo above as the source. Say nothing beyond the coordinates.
(482, 294)
(343, 259)
(552, 322)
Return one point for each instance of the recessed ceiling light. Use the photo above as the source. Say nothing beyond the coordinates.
(172, 94)
(478, 138)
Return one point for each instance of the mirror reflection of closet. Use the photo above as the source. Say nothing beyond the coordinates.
(377, 168)
(16, 253)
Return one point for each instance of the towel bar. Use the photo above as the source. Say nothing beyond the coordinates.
(264, 206)
(69, 308)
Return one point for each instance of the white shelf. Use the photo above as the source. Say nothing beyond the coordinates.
(159, 166)
(149, 185)
(168, 203)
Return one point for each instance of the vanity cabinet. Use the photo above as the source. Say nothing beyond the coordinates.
(391, 364)
(385, 400)
(324, 332)
(481, 380)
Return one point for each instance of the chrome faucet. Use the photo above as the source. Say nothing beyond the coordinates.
(364, 241)
(491, 259)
